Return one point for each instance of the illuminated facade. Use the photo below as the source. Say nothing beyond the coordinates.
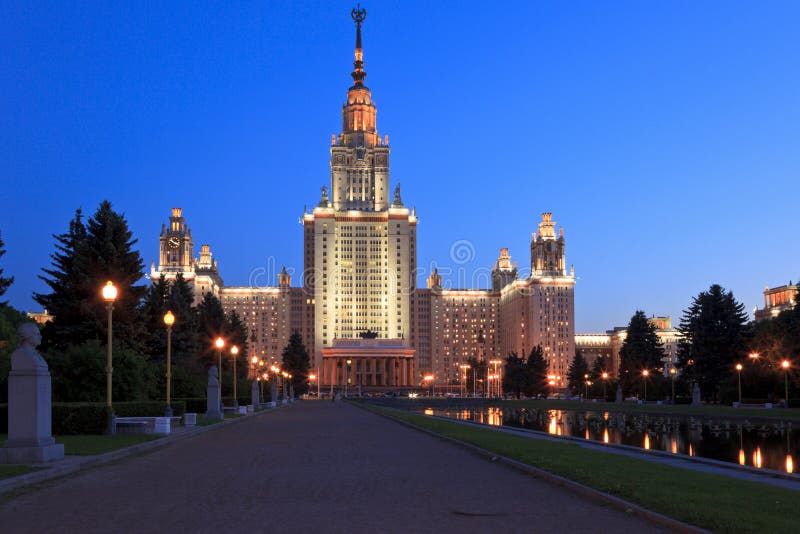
(359, 299)
(776, 300)
(609, 344)
(360, 248)
(176, 255)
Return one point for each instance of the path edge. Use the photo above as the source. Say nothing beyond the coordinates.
(55, 471)
(673, 525)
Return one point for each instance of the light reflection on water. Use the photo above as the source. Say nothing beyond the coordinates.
(772, 445)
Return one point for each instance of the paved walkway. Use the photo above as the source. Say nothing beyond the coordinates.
(312, 467)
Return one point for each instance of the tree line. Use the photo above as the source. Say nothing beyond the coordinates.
(716, 335)
(102, 249)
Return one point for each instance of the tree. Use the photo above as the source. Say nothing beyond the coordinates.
(297, 363)
(79, 374)
(640, 351)
(537, 368)
(154, 308)
(578, 373)
(714, 339)
(211, 323)
(71, 322)
(10, 319)
(599, 367)
(515, 375)
(4, 282)
(111, 257)
(85, 258)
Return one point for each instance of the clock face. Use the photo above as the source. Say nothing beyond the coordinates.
(174, 242)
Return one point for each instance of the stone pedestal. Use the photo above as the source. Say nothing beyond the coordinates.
(696, 395)
(29, 406)
(618, 399)
(254, 395)
(189, 419)
(213, 399)
(162, 425)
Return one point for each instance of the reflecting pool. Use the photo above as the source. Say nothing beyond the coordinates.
(770, 445)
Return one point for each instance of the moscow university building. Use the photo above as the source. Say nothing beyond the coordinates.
(359, 301)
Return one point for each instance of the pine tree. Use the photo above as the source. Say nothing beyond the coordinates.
(154, 308)
(537, 368)
(515, 375)
(4, 282)
(111, 256)
(72, 321)
(297, 363)
(599, 367)
(189, 374)
(714, 339)
(640, 351)
(211, 324)
(577, 373)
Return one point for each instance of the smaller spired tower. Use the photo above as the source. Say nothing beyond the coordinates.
(503, 272)
(547, 251)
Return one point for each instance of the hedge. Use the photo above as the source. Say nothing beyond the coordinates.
(71, 418)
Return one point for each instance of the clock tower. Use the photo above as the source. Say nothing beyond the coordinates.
(176, 245)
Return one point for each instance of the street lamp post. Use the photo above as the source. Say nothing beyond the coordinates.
(645, 373)
(739, 372)
(586, 387)
(672, 373)
(220, 344)
(313, 378)
(604, 377)
(347, 376)
(464, 368)
(169, 320)
(234, 353)
(785, 365)
(109, 295)
(429, 380)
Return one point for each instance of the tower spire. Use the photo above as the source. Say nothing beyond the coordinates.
(358, 14)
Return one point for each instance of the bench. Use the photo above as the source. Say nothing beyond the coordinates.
(145, 425)
(766, 405)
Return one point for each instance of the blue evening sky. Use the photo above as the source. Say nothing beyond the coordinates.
(663, 136)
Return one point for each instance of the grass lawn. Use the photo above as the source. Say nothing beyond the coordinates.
(683, 409)
(715, 502)
(89, 445)
(8, 471)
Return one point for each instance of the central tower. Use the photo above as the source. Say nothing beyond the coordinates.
(359, 242)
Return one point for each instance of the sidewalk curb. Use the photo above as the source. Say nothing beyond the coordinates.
(673, 525)
(54, 471)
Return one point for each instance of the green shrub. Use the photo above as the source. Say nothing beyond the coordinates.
(147, 408)
(70, 418)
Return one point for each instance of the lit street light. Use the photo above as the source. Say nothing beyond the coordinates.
(220, 344)
(672, 373)
(605, 378)
(169, 320)
(739, 372)
(464, 368)
(429, 380)
(313, 378)
(109, 295)
(234, 353)
(785, 364)
(347, 376)
(645, 373)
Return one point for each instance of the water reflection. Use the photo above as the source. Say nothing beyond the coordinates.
(772, 445)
